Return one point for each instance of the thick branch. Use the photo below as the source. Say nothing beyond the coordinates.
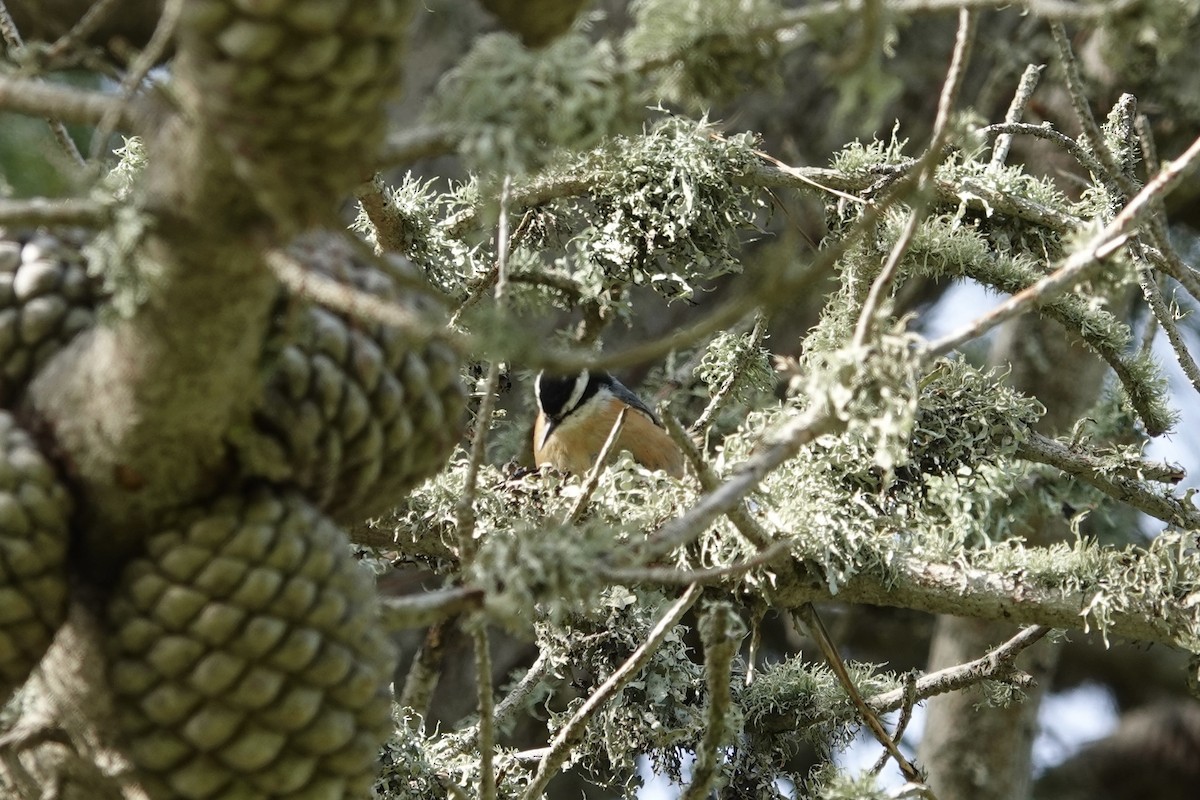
(1014, 593)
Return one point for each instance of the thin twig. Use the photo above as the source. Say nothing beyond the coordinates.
(995, 665)
(924, 172)
(721, 632)
(164, 30)
(486, 708)
(465, 509)
(910, 700)
(1166, 319)
(1174, 266)
(1016, 110)
(1112, 172)
(807, 614)
(12, 38)
(570, 734)
(479, 287)
(750, 530)
(747, 476)
(593, 476)
(806, 176)
(89, 23)
(704, 577)
(1006, 130)
(1100, 247)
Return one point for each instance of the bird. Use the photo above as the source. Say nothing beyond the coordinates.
(576, 414)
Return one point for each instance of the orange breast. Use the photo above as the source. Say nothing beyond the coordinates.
(575, 444)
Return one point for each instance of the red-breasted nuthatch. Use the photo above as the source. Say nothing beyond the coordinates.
(576, 414)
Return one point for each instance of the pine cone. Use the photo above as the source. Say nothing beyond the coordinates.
(297, 90)
(46, 299)
(247, 658)
(360, 412)
(34, 508)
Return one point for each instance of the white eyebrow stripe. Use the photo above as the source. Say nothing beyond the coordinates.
(581, 382)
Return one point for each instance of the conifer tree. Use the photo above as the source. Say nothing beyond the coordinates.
(269, 525)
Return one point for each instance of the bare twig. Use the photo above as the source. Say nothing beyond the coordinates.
(145, 61)
(721, 633)
(1112, 172)
(426, 608)
(570, 734)
(89, 23)
(924, 172)
(807, 614)
(1006, 130)
(12, 38)
(810, 177)
(593, 476)
(1100, 247)
(910, 700)
(38, 98)
(465, 509)
(1166, 319)
(1016, 110)
(56, 212)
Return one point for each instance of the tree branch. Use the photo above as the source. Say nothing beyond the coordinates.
(1004, 585)
(426, 608)
(570, 734)
(995, 665)
(57, 212)
(1096, 472)
(41, 99)
(1098, 248)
